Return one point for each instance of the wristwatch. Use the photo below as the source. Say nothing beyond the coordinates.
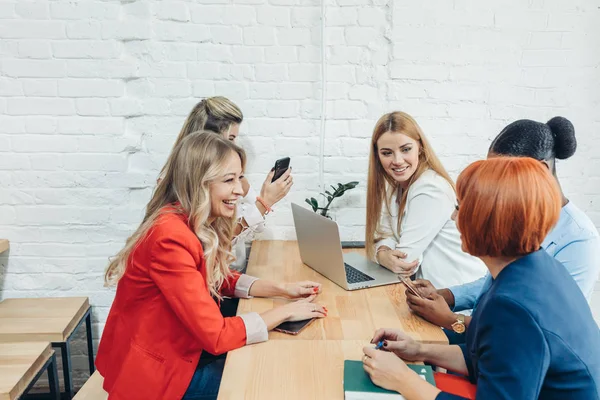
(459, 326)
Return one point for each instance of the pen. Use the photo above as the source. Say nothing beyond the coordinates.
(379, 345)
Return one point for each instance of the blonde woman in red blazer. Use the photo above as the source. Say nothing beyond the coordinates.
(170, 276)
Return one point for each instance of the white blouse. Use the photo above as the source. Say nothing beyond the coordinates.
(428, 233)
(246, 208)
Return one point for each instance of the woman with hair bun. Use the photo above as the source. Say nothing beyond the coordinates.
(573, 241)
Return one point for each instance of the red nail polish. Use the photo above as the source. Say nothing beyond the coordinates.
(315, 289)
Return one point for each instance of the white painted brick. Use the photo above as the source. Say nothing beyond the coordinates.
(364, 93)
(271, 73)
(10, 87)
(124, 107)
(548, 58)
(156, 106)
(226, 35)
(46, 162)
(335, 36)
(136, 9)
(306, 17)
(90, 88)
(90, 125)
(84, 29)
(34, 68)
(180, 31)
(40, 106)
(34, 49)
(346, 109)
(203, 88)
(273, 16)
(296, 91)
(240, 16)
(41, 124)
(211, 52)
(126, 30)
(282, 109)
(163, 69)
(371, 16)
(304, 72)
(94, 162)
(340, 74)
(7, 10)
(20, 29)
(86, 49)
(360, 36)
(84, 10)
(209, 15)
(32, 10)
(40, 87)
(281, 54)
(91, 107)
(346, 55)
(341, 16)
(102, 69)
(169, 88)
(259, 36)
(232, 90)
(293, 36)
(247, 55)
(172, 11)
(14, 162)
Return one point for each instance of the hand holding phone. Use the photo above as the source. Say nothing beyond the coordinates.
(278, 183)
(280, 167)
(411, 288)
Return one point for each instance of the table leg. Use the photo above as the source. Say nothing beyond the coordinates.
(90, 342)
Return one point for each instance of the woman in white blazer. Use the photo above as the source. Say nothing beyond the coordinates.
(410, 201)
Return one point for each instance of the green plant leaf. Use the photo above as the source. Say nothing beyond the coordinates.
(351, 185)
(329, 193)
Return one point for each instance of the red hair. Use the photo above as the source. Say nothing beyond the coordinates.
(507, 206)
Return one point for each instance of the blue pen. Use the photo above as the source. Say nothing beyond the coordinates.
(379, 345)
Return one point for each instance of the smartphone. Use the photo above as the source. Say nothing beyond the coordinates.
(410, 286)
(293, 328)
(280, 167)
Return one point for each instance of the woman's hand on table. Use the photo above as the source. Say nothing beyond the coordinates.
(294, 311)
(301, 289)
(399, 343)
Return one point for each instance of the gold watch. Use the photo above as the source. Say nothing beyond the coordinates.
(459, 326)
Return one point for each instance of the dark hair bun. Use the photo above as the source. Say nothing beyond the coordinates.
(563, 131)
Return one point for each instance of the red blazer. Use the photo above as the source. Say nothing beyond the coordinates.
(163, 317)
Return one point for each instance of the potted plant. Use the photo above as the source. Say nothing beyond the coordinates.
(337, 192)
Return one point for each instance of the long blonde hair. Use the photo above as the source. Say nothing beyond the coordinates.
(195, 162)
(380, 186)
(213, 114)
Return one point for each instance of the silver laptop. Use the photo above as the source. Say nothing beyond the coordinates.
(321, 249)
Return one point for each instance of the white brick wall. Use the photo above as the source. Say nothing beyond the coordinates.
(93, 93)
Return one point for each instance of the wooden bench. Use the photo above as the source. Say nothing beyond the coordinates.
(92, 389)
(21, 364)
(4, 245)
(51, 320)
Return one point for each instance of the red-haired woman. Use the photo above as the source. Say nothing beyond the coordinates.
(532, 335)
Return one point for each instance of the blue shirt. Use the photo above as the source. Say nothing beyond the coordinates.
(533, 336)
(574, 242)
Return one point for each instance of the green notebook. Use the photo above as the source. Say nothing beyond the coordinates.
(358, 385)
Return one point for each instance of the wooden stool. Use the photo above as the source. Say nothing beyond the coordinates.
(92, 389)
(21, 364)
(48, 319)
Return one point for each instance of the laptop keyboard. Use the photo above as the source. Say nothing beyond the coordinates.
(355, 276)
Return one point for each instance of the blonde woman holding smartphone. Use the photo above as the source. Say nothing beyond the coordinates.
(410, 201)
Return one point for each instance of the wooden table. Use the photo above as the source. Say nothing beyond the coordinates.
(21, 364)
(51, 320)
(353, 315)
(4, 245)
(310, 364)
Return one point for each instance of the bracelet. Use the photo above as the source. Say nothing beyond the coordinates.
(264, 204)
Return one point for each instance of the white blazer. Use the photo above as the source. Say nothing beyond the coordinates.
(428, 233)
(246, 208)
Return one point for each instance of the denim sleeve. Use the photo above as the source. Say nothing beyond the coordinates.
(466, 295)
